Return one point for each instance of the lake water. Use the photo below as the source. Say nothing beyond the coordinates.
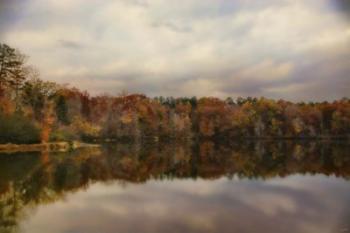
(250, 187)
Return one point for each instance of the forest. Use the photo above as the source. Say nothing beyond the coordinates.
(36, 111)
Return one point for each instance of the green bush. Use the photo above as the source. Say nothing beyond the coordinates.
(18, 129)
(60, 135)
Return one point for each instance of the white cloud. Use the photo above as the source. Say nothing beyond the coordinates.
(214, 46)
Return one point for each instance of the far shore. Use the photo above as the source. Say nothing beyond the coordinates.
(51, 146)
(64, 146)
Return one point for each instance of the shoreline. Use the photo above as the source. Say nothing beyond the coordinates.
(67, 146)
(51, 146)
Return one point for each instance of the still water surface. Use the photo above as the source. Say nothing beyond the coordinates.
(177, 187)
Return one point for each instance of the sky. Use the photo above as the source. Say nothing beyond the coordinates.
(297, 50)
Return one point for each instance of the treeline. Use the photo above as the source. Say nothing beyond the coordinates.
(33, 110)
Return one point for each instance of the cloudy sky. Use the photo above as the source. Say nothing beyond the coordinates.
(291, 49)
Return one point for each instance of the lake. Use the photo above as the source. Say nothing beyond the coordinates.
(254, 186)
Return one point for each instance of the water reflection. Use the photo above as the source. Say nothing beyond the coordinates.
(203, 187)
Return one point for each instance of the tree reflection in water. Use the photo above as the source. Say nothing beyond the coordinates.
(32, 179)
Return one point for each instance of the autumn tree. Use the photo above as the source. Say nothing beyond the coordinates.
(36, 93)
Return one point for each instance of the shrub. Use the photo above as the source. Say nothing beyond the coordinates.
(16, 128)
(62, 134)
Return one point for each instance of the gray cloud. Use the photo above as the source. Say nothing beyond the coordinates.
(10, 11)
(343, 6)
(69, 44)
(172, 26)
